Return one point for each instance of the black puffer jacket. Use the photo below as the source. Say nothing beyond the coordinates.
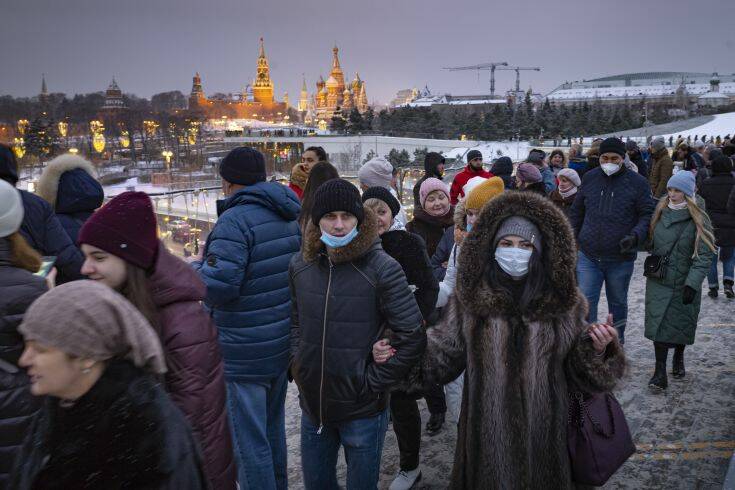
(716, 191)
(342, 302)
(410, 252)
(430, 228)
(124, 433)
(18, 289)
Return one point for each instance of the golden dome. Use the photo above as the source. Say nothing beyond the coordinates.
(332, 82)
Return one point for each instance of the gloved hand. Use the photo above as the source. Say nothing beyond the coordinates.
(628, 243)
(688, 295)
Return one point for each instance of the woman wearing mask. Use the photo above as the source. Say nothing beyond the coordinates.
(19, 287)
(410, 252)
(319, 174)
(122, 252)
(528, 179)
(565, 194)
(106, 421)
(430, 222)
(682, 234)
(517, 325)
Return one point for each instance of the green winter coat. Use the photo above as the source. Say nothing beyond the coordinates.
(668, 319)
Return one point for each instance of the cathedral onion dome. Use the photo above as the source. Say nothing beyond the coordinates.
(323, 90)
(332, 82)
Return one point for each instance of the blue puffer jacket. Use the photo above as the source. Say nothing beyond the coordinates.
(607, 209)
(78, 197)
(245, 268)
(42, 231)
(549, 179)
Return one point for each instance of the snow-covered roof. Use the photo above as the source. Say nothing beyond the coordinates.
(713, 96)
(636, 91)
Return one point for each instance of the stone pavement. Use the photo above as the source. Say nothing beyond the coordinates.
(685, 437)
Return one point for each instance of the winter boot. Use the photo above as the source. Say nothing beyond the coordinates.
(659, 382)
(712, 293)
(728, 288)
(678, 364)
(435, 423)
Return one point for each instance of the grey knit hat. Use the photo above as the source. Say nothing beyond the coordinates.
(377, 172)
(11, 209)
(90, 320)
(658, 143)
(519, 226)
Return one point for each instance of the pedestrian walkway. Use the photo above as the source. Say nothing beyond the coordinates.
(685, 437)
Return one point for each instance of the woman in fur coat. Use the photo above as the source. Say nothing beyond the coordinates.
(517, 326)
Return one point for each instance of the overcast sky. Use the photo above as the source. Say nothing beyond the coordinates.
(153, 46)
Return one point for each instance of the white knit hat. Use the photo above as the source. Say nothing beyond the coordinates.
(11, 209)
(377, 172)
(471, 184)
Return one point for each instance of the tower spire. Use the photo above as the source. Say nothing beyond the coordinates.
(44, 90)
(335, 59)
(263, 86)
(262, 49)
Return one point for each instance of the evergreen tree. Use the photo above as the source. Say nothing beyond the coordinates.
(338, 124)
(419, 155)
(368, 118)
(370, 155)
(356, 123)
(41, 137)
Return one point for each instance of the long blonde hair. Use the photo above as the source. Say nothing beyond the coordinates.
(699, 217)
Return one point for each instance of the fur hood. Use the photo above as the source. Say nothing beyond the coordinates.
(50, 183)
(367, 236)
(559, 257)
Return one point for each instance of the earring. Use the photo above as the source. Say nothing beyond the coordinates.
(86, 370)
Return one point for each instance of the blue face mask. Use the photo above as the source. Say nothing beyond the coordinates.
(338, 241)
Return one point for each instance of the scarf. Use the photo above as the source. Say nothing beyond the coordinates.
(568, 193)
(299, 176)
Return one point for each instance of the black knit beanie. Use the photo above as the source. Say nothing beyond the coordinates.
(613, 145)
(8, 165)
(472, 154)
(337, 195)
(243, 166)
(383, 194)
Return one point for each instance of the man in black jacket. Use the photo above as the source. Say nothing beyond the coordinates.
(345, 292)
(433, 167)
(41, 228)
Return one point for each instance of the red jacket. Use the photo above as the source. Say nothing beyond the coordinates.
(461, 179)
(298, 190)
(195, 378)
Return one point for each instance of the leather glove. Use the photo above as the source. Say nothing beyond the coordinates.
(688, 295)
(628, 243)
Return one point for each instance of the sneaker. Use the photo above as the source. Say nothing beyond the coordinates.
(405, 479)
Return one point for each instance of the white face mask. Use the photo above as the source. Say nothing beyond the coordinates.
(513, 260)
(610, 168)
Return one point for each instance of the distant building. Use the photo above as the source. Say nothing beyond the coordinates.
(714, 98)
(670, 88)
(255, 102)
(405, 96)
(335, 95)
(113, 98)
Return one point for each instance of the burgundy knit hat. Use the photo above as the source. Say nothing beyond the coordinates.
(126, 228)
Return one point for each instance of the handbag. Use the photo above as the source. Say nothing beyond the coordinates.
(654, 267)
(598, 437)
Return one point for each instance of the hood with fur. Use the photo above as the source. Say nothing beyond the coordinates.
(69, 183)
(367, 236)
(559, 257)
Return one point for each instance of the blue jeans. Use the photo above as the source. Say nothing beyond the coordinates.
(258, 423)
(616, 275)
(727, 257)
(362, 440)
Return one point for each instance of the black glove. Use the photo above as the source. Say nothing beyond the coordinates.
(688, 295)
(628, 243)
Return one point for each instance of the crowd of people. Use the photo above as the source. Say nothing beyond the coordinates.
(123, 366)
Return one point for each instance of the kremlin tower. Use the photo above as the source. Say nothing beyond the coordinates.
(263, 87)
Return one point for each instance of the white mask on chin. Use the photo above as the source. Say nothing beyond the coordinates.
(610, 168)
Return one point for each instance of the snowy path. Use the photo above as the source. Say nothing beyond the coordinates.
(721, 125)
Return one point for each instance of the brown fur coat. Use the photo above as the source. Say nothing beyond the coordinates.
(519, 365)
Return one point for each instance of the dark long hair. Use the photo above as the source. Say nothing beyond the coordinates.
(137, 291)
(320, 153)
(319, 174)
(535, 283)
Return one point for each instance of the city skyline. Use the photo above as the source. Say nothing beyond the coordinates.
(151, 48)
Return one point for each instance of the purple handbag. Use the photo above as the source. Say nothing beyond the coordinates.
(598, 438)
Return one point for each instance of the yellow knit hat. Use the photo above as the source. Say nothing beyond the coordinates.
(484, 192)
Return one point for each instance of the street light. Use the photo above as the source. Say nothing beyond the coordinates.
(167, 154)
(73, 151)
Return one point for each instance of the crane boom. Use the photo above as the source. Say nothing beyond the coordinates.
(518, 69)
(482, 66)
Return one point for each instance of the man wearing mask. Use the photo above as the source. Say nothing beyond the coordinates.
(473, 169)
(244, 266)
(433, 167)
(610, 217)
(345, 292)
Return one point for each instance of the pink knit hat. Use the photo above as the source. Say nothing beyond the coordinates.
(430, 185)
(528, 173)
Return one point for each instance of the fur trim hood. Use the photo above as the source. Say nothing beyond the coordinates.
(55, 187)
(559, 257)
(367, 236)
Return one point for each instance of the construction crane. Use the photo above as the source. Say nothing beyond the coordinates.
(518, 70)
(483, 66)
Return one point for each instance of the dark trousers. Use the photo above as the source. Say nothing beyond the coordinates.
(435, 400)
(407, 425)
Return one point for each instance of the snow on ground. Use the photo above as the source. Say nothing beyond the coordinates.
(494, 149)
(721, 125)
